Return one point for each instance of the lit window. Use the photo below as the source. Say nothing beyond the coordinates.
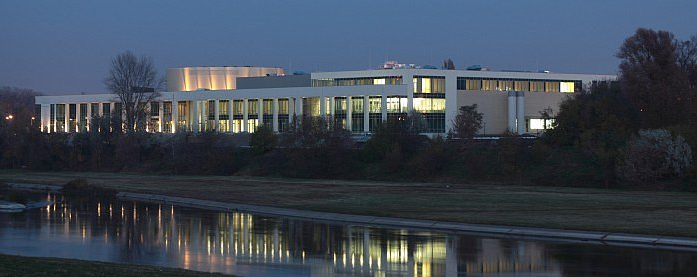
(567, 86)
(540, 124)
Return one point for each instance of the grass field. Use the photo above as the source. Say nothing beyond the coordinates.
(16, 266)
(638, 212)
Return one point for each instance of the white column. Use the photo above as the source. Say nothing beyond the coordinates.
(195, 122)
(408, 80)
(67, 117)
(323, 107)
(299, 108)
(217, 115)
(451, 109)
(231, 103)
(383, 107)
(245, 115)
(275, 115)
(175, 115)
(520, 100)
(332, 106)
(45, 118)
(160, 115)
(366, 114)
(291, 110)
(260, 111)
(78, 115)
(89, 116)
(349, 112)
(512, 112)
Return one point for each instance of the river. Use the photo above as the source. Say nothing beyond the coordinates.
(251, 245)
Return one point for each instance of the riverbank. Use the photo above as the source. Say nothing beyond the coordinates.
(610, 211)
(18, 266)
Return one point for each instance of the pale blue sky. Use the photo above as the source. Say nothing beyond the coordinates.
(64, 47)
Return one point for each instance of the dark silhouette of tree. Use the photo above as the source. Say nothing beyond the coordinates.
(135, 82)
(687, 59)
(467, 122)
(653, 80)
(263, 139)
(448, 64)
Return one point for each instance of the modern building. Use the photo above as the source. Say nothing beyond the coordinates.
(239, 99)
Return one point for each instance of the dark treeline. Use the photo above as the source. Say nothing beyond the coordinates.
(637, 132)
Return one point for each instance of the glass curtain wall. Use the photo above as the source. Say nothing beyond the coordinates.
(357, 118)
(237, 115)
(223, 115)
(429, 101)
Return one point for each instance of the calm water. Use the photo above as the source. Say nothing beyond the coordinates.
(250, 245)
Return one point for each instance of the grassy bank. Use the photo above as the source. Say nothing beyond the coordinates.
(17, 266)
(639, 212)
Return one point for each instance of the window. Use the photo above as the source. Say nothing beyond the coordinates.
(397, 104)
(340, 105)
(167, 117)
(429, 84)
(429, 105)
(361, 81)
(375, 103)
(540, 124)
(154, 108)
(566, 87)
(94, 109)
(283, 106)
(551, 86)
(489, 84)
(505, 85)
(357, 105)
(267, 106)
(106, 110)
(522, 85)
(237, 108)
(252, 107)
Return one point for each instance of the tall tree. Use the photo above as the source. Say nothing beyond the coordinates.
(135, 82)
(467, 122)
(653, 79)
(687, 59)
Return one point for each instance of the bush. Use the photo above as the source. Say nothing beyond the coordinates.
(76, 185)
(652, 156)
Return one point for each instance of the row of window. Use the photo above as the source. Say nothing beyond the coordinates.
(363, 81)
(489, 84)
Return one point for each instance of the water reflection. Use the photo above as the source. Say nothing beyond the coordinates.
(251, 245)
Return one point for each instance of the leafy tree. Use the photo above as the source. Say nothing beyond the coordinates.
(653, 80)
(135, 81)
(654, 155)
(467, 122)
(263, 139)
(597, 122)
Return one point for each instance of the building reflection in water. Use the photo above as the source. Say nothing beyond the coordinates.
(251, 245)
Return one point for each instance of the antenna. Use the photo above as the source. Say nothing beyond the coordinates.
(370, 58)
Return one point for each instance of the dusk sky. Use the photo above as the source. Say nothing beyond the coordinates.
(65, 47)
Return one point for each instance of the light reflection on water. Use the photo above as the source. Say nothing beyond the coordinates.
(250, 245)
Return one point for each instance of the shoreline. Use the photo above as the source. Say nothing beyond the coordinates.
(604, 238)
(499, 231)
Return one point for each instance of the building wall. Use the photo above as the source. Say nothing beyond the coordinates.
(213, 78)
(200, 108)
(494, 107)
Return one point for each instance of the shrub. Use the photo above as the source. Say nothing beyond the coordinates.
(654, 155)
(77, 185)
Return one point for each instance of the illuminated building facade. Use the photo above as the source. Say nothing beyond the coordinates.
(239, 99)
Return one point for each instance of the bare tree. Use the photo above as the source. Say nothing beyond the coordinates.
(135, 82)
(448, 64)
